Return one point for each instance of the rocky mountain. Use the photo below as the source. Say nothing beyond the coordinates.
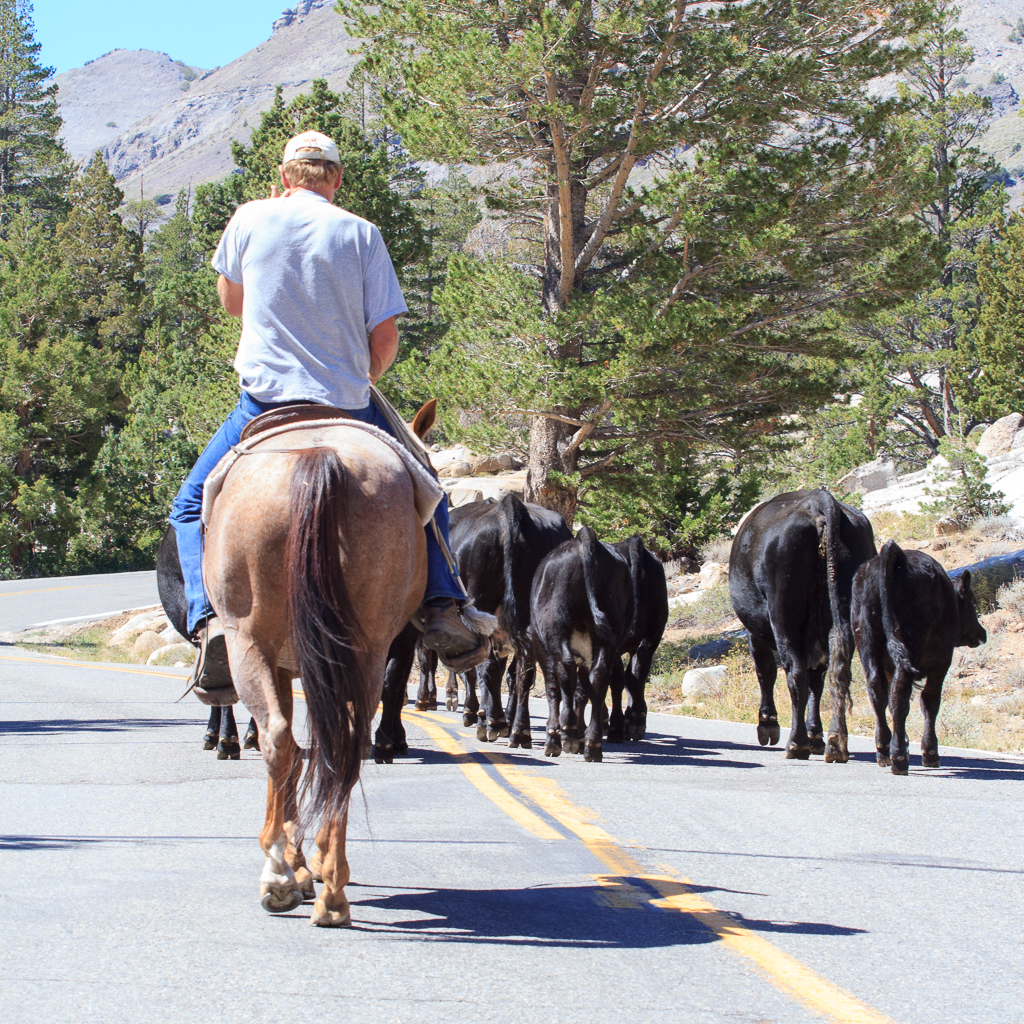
(171, 125)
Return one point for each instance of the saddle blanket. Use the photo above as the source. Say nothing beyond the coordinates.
(426, 490)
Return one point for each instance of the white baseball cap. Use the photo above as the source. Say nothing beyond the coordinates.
(311, 146)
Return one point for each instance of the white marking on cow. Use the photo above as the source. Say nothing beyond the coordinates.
(582, 649)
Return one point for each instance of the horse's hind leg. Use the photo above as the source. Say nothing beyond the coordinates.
(331, 909)
(212, 729)
(279, 889)
(227, 745)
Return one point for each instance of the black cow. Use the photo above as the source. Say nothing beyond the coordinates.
(582, 612)
(498, 547)
(908, 616)
(790, 575)
(650, 593)
(221, 730)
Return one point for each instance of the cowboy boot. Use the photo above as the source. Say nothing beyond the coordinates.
(211, 675)
(445, 632)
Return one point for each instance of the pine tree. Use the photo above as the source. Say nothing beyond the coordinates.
(34, 169)
(692, 184)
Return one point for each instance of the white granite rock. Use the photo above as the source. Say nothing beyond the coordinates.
(1000, 436)
(699, 682)
(872, 476)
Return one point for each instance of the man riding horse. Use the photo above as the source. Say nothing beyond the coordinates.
(319, 299)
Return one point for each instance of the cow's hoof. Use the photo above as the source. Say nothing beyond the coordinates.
(279, 899)
(796, 752)
(468, 719)
(481, 732)
(900, 766)
(616, 735)
(426, 705)
(251, 741)
(571, 745)
(592, 753)
(228, 750)
(383, 755)
(768, 732)
(635, 732)
(521, 739)
(884, 760)
(324, 918)
(834, 753)
(817, 744)
(209, 740)
(553, 747)
(452, 704)
(304, 883)
(929, 760)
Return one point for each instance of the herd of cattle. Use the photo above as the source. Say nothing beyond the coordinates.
(805, 581)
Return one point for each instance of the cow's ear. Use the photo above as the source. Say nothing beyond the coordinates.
(424, 419)
(964, 583)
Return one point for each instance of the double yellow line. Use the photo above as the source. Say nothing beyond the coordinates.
(674, 893)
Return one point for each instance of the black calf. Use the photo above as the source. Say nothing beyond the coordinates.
(908, 616)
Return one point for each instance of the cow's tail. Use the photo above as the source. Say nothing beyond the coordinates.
(587, 540)
(889, 557)
(635, 547)
(326, 634)
(511, 524)
(840, 637)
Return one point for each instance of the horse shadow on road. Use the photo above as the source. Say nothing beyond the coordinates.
(618, 915)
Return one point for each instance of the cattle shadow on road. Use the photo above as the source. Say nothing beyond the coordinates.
(989, 768)
(606, 916)
(666, 749)
(59, 726)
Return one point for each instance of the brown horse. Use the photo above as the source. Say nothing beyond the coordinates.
(315, 559)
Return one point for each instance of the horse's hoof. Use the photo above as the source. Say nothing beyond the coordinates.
(836, 753)
(481, 733)
(796, 752)
(279, 899)
(884, 761)
(468, 719)
(817, 744)
(592, 753)
(324, 918)
(929, 760)
(900, 766)
(304, 883)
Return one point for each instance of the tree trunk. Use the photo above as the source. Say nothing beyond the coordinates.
(549, 438)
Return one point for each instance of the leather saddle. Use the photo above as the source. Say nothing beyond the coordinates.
(289, 415)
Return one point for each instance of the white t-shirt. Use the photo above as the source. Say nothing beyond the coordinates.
(317, 280)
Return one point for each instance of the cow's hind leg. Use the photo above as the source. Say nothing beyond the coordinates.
(931, 698)
(426, 695)
(639, 668)
(451, 692)
(471, 705)
(799, 744)
(389, 739)
(252, 736)
(815, 730)
(212, 729)
(878, 694)
(526, 673)
(227, 745)
(607, 669)
(767, 671)
(899, 704)
(616, 725)
(493, 723)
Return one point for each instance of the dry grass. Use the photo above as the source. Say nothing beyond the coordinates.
(83, 643)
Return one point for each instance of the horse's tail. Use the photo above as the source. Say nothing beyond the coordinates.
(890, 557)
(326, 634)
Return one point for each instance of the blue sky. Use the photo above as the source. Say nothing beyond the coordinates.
(202, 33)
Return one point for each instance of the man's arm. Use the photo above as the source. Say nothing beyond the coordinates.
(383, 347)
(231, 296)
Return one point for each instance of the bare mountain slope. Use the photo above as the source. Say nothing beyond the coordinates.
(101, 100)
(185, 139)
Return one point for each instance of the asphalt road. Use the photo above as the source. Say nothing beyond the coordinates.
(496, 885)
(27, 603)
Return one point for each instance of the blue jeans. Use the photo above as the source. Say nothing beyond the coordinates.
(186, 511)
